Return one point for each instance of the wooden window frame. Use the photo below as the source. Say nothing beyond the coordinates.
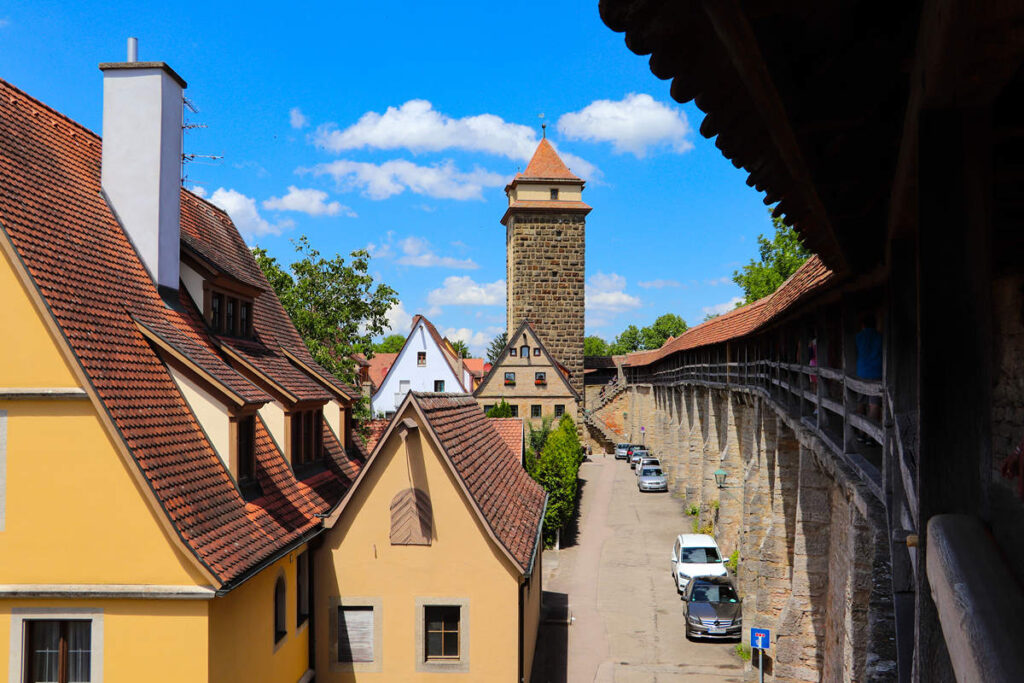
(302, 585)
(220, 321)
(280, 609)
(305, 437)
(461, 664)
(444, 631)
(554, 193)
(421, 359)
(436, 382)
(62, 647)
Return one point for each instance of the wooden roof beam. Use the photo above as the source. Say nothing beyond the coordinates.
(740, 43)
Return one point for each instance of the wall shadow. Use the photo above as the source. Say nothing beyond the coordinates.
(551, 658)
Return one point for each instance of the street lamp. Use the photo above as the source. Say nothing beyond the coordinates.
(720, 476)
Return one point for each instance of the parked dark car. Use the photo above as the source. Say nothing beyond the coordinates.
(712, 608)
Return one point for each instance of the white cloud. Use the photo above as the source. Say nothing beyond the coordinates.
(462, 290)
(198, 190)
(416, 251)
(308, 201)
(398, 319)
(418, 127)
(633, 124)
(380, 181)
(606, 292)
(476, 341)
(658, 284)
(386, 247)
(245, 215)
(724, 280)
(297, 119)
(724, 307)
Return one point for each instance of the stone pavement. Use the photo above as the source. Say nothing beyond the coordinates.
(627, 617)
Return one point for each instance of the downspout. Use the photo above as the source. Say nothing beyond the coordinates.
(522, 627)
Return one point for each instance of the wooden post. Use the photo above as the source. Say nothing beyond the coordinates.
(954, 372)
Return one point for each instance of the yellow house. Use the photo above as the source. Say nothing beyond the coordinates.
(526, 376)
(168, 446)
(431, 567)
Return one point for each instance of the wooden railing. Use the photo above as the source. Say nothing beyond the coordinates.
(828, 402)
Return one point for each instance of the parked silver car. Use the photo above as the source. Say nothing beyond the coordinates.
(712, 609)
(645, 462)
(651, 479)
(622, 451)
(636, 456)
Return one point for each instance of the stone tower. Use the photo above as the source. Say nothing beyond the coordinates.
(545, 239)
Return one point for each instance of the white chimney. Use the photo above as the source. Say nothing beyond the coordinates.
(141, 172)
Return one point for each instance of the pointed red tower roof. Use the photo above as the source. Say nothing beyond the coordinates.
(547, 164)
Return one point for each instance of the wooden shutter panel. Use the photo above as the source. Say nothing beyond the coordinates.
(355, 634)
(411, 518)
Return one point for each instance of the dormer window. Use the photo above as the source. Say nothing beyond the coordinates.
(554, 193)
(307, 442)
(245, 456)
(229, 314)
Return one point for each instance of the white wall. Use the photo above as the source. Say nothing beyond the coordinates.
(194, 286)
(419, 378)
(273, 416)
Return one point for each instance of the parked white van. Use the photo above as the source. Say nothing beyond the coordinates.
(695, 555)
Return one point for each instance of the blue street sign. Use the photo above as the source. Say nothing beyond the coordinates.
(760, 638)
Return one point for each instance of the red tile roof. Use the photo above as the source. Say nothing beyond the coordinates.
(811, 277)
(375, 429)
(547, 164)
(95, 287)
(380, 365)
(511, 431)
(510, 501)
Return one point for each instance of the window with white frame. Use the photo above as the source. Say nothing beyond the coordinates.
(56, 645)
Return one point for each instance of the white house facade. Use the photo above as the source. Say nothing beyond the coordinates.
(425, 363)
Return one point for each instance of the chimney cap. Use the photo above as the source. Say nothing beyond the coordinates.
(117, 66)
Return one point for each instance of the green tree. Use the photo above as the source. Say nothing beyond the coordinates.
(557, 471)
(334, 305)
(626, 342)
(390, 344)
(710, 316)
(495, 348)
(535, 441)
(780, 257)
(655, 334)
(461, 350)
(594, 346)
(502, 409)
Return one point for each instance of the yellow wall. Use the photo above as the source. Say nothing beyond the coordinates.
(242, 644)
(155, 641)
(358, 561)
(531, 615)
(28, 356)
(572, 192)
(68, 492)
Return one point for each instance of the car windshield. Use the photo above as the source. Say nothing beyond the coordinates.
(622, 446)
(700, 555)
(651, 472)
(710, 592)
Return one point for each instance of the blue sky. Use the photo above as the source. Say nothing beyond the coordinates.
(397, 125)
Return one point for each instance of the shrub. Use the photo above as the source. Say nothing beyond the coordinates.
(733, 562)
(502, 409)
(715, 505)
(743, 652)
(693, 510)
(557, 470)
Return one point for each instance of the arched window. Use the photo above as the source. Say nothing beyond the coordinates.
(411, 518)
(280, 627)
(524, 351)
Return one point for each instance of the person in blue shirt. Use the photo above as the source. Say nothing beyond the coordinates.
(869, 361)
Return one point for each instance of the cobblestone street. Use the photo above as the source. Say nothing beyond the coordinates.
(627, 618)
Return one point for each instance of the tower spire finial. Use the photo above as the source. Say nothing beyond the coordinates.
(543, 125)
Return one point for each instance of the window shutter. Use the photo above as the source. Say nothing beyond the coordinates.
(355, 634)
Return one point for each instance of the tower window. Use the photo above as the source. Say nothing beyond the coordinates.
(554, 193)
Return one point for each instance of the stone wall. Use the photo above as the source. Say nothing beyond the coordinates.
(545, 272)
(812, 552)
